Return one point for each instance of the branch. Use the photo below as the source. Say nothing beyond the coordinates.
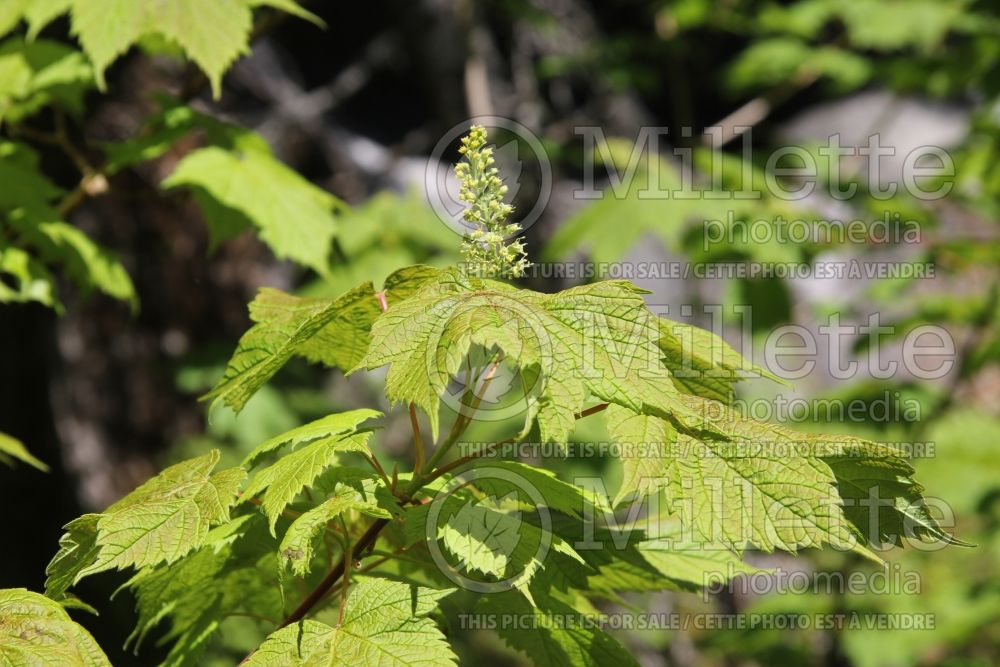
(366, 541)
(345, 584)
(759, 108)
(418, 441)
(333, 577)
(92, 183)
(593, 410)
(373, 462)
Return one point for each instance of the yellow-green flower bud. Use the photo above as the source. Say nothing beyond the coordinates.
(481, 187)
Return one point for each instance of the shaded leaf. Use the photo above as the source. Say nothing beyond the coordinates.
(552, 633)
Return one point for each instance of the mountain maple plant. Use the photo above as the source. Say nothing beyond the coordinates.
(335, 561)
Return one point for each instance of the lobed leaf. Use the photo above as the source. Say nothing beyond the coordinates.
(385, 624)
(78, 549)
(704, 364)
(37, 631)
(212, 34)
(281, 332)
(251, 187)
(330, 427)
(333, 331)
(487, 536)
(745, 481)
(598, 340)
(282, 481)
(159, 522)
(228, 574)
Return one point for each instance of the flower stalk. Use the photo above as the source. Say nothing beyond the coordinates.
(491, 248)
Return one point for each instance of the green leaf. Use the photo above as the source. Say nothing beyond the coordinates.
(882, 26)
(159, 522)
(874, 475)
(38, 74)
(329, 428)
(335, 332)
(11, 447)
(746, 481)
(553, 493)
(343, 337)
(26, 185)
(292, 215)
(863, 470)
(598, 340)
(663, 556)
(488, 536)
(106, 30)
(484, 536)
(231, 573)
(385, 624)
(297, 544)
(39, 13)
(282, 481)
(773, 61)
(665, 563)
(642, 440)
(704, 364)
(284, 327)
(37, 631)
(25, 279)
(159, 132)
(88, 264)
(761, 485)
(552, 634)
(10, 14)
(212, 34)
(343, 342)
(78, 549)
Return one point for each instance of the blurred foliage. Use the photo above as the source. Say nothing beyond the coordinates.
(681, 57)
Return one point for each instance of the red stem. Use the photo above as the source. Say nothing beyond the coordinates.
(333, 577)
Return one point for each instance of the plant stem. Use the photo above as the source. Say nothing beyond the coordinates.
(333, 577)
(463, 420)
(420, 479)
(592, 410)
(346, 583)
(373, 462)
(418, 441)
